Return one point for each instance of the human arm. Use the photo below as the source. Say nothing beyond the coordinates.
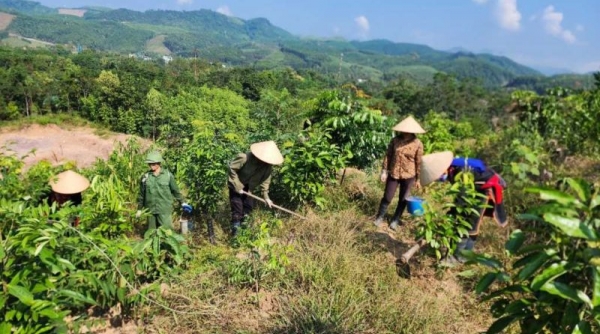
(418, 162)
(234, 167)
(142, 193)
(386, 160)
(175, 189)
(265, 189)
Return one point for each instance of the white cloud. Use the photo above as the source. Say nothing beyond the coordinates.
(185, 2)
(225, 10)
(363, 24)
(480, 1)
(508, 15)
(579, 27)
(552, 23)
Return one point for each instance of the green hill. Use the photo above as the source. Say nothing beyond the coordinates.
(254, 42)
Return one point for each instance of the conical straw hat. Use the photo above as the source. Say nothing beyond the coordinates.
(434, 165)
(268, 152)
(408, 125)
(69, 182)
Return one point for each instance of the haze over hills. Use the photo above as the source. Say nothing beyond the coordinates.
(255, 42)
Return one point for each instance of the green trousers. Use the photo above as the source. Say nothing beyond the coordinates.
(161, 219)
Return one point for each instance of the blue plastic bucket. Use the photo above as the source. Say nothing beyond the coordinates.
(415, 206)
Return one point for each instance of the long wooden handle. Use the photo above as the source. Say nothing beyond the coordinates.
(275, 206)
(414, 249)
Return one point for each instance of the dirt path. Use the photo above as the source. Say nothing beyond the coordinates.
(59, 145)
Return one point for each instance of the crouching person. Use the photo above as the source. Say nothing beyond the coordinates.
(491, 187)
(247, 172)
(68, 186)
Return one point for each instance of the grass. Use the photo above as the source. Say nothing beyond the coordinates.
(57, 119)
(156, 45)
(340, 279)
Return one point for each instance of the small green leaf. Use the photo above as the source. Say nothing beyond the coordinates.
(485, 282)
(5, 328)
(481, 259)
(76, 296)
(581, 188)
(566, 292)
(583, 327)
(596, 292)
(499, 325)
(549, 274)
(555, 195)
(572, 227)
(514, 243)
(23, 294)
(532, 266)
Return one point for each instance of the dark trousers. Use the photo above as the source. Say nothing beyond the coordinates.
(241, 205)
(391, 185)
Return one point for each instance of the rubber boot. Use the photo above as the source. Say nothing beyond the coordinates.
(380, 214)
(396, 218)
(465, 244)
(235, 227)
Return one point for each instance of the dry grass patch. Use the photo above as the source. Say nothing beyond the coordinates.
(341, 279)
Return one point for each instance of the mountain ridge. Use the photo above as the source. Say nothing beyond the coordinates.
(254, 42)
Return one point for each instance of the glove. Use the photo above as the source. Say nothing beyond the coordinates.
(187, 208)
(138, 214)
(269, 202)
(383, 176)
(241, 191)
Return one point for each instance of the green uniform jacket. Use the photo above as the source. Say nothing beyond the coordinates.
(157, 192)
(246, 169)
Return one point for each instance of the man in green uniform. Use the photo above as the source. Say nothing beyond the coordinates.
(246, 172)
(157, 190)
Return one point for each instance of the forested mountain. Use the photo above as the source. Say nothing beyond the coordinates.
(255, 42)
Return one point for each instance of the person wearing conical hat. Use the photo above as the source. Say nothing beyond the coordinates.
(401, 168)
(67, 187)
(247, 172)
(157, 191)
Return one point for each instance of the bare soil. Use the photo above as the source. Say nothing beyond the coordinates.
(5, 20)
(58, 145)
(74, 12)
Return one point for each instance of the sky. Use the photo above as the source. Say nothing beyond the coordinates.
(544, 34)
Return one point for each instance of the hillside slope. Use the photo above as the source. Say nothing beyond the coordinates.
(254, 42)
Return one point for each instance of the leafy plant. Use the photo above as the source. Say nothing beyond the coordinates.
(552, 285)
(352, 127)
(309, 163)
(263, 257)
(443, 228)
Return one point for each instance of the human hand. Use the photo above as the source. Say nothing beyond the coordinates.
(269, 202)
(418, 185)
(383, 176)
(241, 191)
(138, 214)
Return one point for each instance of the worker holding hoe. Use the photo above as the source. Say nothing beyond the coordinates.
(247, 172)
(157, 191)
